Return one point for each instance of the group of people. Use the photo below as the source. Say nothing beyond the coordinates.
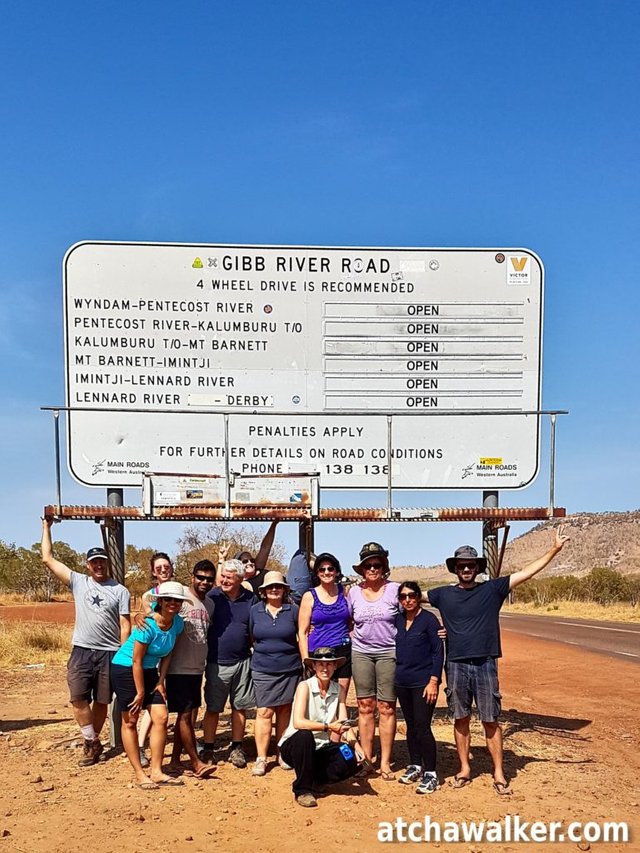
(289, 648)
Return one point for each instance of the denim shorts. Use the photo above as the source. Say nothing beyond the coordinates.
(475, 678)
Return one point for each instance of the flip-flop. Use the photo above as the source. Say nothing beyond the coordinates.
(387, 775)
(502, 788)
(207, 770)
(148, 785)
(460, 781)
(364, 770)
(170, 782)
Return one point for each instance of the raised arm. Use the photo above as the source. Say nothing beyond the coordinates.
(265, 547)
(62, 572)
(304, 624)
(538, 565)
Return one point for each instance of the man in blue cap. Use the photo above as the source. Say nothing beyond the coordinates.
(470, 612)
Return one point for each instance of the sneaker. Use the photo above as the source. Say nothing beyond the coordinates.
(283, 763)
(411, 775)
(237, 757)
(428, 785)
(143, 757)
(307, 801)
(91, 752)
(260, 767)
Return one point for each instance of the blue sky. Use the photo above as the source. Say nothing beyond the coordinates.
(405, 124)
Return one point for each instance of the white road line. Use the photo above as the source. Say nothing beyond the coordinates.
(575, 624)
(597, 627)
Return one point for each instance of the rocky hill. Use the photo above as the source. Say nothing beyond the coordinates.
(609, 539)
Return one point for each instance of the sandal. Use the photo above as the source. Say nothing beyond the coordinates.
(388, 775)
(169, 782)
(502, 789)
(207, 771)
(148, 785)
(460, 781)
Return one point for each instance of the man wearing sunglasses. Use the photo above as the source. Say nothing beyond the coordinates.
(470, 612)
(186, 670)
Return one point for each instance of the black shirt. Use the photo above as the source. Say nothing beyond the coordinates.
(471, 617)
(419, 651)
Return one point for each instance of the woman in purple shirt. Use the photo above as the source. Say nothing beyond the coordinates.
(325, 617)
(374, 606)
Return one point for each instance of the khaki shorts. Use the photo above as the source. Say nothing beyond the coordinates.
(374, 675)
(232, 682)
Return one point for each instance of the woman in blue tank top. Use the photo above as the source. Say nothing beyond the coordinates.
(324, 619)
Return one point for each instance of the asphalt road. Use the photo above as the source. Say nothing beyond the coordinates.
(614, 639)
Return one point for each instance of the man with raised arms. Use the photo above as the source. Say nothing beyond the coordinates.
(470, 612)
(102, 624)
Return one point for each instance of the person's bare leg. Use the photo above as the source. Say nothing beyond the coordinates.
(82, 712)
(158, 740)
(262, 730)
(367, 725)
(387, 726)
(99, 712)
(143, 729)
(283, 715)
(129, 734)
(346, 683)
(238, 724)
(463, 745)
(210, 726)
(184, 731)
(178, 746)
(493, 734)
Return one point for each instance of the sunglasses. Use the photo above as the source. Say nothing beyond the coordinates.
(274, 586)
(247, 560)
(205, 578)
(170, 598)
(324, 569)
(409, 595)
(374, 566)
(470, 565)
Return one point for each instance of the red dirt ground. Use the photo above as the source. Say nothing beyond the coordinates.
(571, 747)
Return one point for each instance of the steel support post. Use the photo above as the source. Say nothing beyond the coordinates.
(490, 536)
(114, 537)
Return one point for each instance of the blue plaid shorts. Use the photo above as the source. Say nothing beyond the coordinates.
(475, 678)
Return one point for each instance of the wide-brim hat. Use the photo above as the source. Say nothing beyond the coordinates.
(171, 589)
(272, 578)
(371, 549)
(466, 552)
(325, 653)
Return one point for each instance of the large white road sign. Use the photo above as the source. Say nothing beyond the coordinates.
(165, 339)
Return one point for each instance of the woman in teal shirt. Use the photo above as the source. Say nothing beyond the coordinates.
(137, 683)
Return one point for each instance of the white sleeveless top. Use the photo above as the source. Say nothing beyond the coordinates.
(319, 710)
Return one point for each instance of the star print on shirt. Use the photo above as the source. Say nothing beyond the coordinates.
(95, 599)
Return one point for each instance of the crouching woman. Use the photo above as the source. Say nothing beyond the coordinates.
(138, 685)
(312, 745)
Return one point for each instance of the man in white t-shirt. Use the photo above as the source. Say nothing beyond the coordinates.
(102, 624)
(187, 666)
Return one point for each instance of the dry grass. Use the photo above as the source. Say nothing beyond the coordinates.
(10, 599)
(579, 610)
(33, 643)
